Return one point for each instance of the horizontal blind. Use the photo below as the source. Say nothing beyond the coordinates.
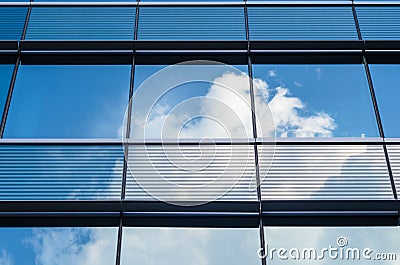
(379, 23)
(299, 23)
(394, 158)
(50, 172)
(191, 23)
(81, 23)
(12, 21)
(334, 172)
(202, 172)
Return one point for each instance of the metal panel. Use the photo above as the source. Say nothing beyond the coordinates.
(12, 21)
(191, 23)
(379, 23)
(394, 158)
(202, 172)
(81, 23)
(301, 23)
(325, 172)
(54, 172)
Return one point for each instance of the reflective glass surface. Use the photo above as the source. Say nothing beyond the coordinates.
(332, 245)
(57, 172)
(149, 246)
(191, 101)
(5, 78)
(68, 101)
(315, 100)
(61, 246)
(386, 79)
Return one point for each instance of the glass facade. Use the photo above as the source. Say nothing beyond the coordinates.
(204, 132)
(68, 101)
(150, 245)
(318, 100)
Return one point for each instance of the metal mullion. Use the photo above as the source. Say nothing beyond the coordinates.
(254, 124)
(380, 126)
(127, 136)
(14, 76)
(119, 243)
(375, 104)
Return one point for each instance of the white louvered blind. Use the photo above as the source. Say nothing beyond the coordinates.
(334, 172)
(394, 158)
(12, 20)
(379, 23)
(203, 172)
(81, 23)
(191, 23)
(301, 23)
(51, 172)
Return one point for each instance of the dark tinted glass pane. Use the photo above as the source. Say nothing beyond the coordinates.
(68, 101)
(316, 100)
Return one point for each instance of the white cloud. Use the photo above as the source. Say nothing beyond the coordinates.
(272, 73)
(225, 111)
(298, 84)
(228, 104)
(288, 121)
(196, 246)
(319, 72)
(5, 258)
(74, 246)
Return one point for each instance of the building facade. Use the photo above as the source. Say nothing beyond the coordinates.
(198, 132)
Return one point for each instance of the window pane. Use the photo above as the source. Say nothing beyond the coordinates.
(68, 101)
(62, 246)
(5, 78)
(324, 172)
(280, 23)
(191, 174)
(12, 21)
(386, 79)
(315, 100)
(191, 23)
(191, 101)
(194, 246)
(379, 23)
(344, 245)
(56, 172)
(80, 23)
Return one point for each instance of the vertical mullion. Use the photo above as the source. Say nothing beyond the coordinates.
(127, 136)
(254, 125)
(119, 242)
(14, 76)
(375, 104)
